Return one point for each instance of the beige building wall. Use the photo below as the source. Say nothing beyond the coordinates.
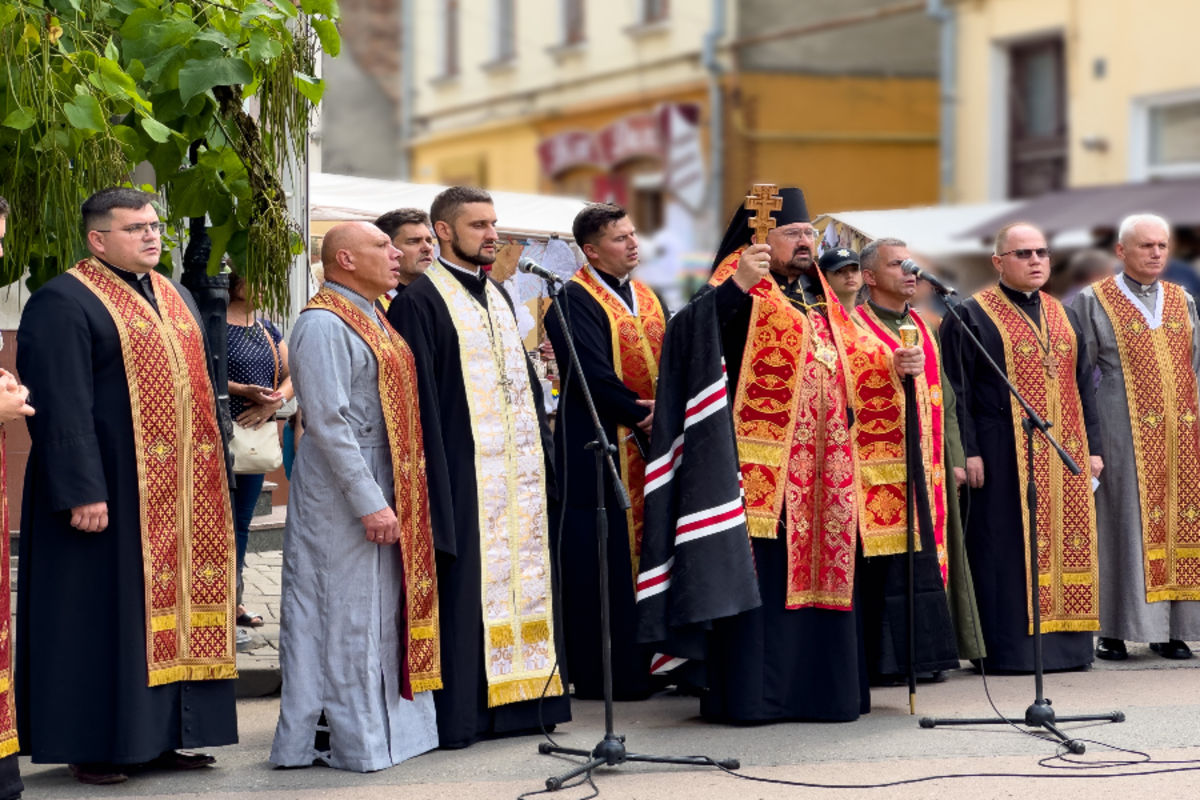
(1122, 59)
(617, 56)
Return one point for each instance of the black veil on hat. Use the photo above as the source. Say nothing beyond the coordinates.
(738, 234)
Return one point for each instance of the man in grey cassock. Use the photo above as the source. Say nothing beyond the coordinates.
(1143, 335)
(346, 649)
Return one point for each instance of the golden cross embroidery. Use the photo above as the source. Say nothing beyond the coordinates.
(165, 575)
(208, 573)
(762, 200)
(160, 450)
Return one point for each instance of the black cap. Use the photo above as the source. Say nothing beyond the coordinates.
(738, 233)
(834, 259)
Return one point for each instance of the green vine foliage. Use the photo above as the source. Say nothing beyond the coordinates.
(215, 96)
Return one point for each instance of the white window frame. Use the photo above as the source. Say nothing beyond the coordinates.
(564, 28)
(1140, 168)
(498, 38)
(642, 13)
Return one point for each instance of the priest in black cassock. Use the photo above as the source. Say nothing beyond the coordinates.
(1038, 343)
(125, 620)
(617, 324)
(489, 465)
(796, 656)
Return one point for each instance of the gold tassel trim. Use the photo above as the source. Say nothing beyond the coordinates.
(425, 684)
(500, 694)
(1172, 594)
(1069, 626)
(193, 672)
(762, 527)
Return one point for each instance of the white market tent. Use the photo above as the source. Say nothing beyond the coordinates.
(336, 198)
(932, 231)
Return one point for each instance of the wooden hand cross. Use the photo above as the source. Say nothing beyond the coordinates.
(762, 200)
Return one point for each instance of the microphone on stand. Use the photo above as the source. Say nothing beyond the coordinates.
(911, 267)
(531, 267)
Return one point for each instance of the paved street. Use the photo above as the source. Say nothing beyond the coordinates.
(1160, 698)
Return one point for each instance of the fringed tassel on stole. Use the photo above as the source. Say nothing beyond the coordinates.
(193, 672)
(1068, 626)
(425, 685)
(1172, 594)
(500, 694)
(887, 544)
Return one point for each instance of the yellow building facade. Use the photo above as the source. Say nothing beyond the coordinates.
(612, 101)
(1065, 93)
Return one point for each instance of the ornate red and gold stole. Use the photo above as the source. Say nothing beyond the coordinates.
(402, 417)
(183, 494)
(8, 712)
(637, 336)
(790, 419)
(1041, 364)
(879, 436)
(1160, 388)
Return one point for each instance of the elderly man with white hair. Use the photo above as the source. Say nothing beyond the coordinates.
(1143, 334)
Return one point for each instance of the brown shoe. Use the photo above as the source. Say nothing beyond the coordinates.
(181, 760)
(97, 774)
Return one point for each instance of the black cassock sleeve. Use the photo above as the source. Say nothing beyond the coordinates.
(54, 359)
(416, 320)
(958, 359)
(1085, 380)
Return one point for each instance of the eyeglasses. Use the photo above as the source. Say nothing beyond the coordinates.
(801, 233)
(1024, 253)
(141, 229)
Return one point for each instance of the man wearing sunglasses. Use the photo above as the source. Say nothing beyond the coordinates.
(125, 646)
(1142, 332)
(1037, 343)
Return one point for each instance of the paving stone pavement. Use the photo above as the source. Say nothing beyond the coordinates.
(258, 663)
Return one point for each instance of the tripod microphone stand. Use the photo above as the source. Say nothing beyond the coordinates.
(1039, 714)
(610, 751)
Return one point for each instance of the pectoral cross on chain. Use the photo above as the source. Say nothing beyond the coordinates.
(506, 384)
(762, 200)
(1050, 362)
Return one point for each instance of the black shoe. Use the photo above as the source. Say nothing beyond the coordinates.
(177, 760)
(1172, 649)
(1112, 649)
(98, 774)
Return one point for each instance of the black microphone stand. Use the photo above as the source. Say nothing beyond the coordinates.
(611, 749)
(912, 446)
(1040, 714)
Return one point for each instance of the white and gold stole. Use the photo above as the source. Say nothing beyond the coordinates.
(518, 612)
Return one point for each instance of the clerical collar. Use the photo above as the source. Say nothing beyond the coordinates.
(612, 280)
(887, 313)
(1140, 289)
(127, 274)
(477, 273)
(1018, 296)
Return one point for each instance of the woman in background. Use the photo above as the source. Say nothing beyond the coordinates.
(259, 385)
